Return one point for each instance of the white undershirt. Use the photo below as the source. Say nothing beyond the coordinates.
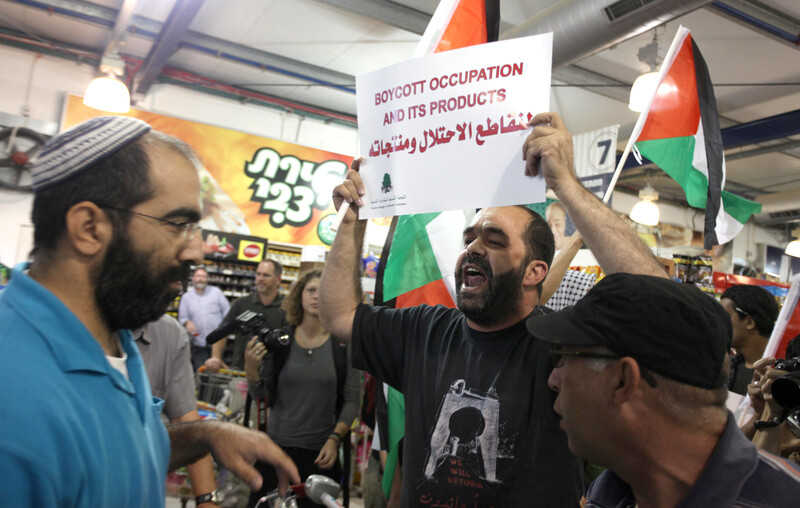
(120, 363)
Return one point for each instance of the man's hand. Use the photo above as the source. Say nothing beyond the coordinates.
(215, 364)
(252, 359)
(549, 148)
(768, 376)
(615, 245)
(756, 384)
(328, 455)
(190, 327)
(350, 191)
(237, 448)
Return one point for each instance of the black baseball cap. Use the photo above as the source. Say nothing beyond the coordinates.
(670, 328)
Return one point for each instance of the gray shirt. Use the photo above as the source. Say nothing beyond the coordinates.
(164, 345)
(303, 413)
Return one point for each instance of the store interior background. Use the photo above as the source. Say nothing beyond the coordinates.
(334, 40)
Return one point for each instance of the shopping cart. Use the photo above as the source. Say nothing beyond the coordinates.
(222, 395)
(178, 486)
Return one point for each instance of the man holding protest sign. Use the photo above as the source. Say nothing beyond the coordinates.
(480, 427)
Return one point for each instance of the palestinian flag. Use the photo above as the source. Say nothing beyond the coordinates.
(681, 135)
(420, 253)
(419, 258)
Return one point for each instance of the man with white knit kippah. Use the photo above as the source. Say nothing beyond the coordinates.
(68, 154)
(115, 220)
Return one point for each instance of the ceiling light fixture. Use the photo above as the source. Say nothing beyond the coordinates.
(793, 249)
(644, 86)
(108, 93)
(646, 211)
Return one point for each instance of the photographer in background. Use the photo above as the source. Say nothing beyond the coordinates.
(265, 300)
(311, 387)
(779, 411)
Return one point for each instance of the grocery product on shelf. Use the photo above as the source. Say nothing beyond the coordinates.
(289, 257)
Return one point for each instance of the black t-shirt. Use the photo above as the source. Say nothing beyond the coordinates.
(480, 429)
(739, 375)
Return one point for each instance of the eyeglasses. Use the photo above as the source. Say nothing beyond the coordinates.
(740, 311)
(188, 230)
(558, 357)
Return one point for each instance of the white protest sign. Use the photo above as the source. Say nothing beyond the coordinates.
(445, 131)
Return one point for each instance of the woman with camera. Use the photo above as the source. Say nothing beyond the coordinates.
(310, 386)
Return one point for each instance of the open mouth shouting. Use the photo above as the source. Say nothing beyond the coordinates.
(473, 276)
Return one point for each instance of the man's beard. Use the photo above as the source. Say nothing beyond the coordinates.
(129, 291)
(500, 297)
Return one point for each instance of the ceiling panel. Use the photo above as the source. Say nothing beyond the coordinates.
(157, 10)
(42, 24)
(734, 54)
(232, 73)
(309, 31)
(790, 7)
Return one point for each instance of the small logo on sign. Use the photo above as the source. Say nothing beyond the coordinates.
(386, 186)
(251, 251)
(324, 231)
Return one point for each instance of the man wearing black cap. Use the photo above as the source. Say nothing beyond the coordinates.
(480, 429)
(115, 220)
(640, 370)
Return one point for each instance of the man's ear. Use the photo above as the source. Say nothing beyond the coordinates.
(750, 323)
(628, 379)
(534, 273)
(89, 230)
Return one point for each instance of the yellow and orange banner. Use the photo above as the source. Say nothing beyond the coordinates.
(252, 185)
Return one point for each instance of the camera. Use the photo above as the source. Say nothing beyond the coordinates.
(786, 391)
(251, 323)
(789, 365)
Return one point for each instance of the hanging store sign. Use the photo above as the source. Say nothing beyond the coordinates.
(595, 156)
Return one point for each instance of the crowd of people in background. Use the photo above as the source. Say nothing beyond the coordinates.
(508, 403)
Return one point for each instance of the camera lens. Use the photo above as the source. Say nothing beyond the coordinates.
(786, 390)
(277, 337)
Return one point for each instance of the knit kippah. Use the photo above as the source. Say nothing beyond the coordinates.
(72, 151)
